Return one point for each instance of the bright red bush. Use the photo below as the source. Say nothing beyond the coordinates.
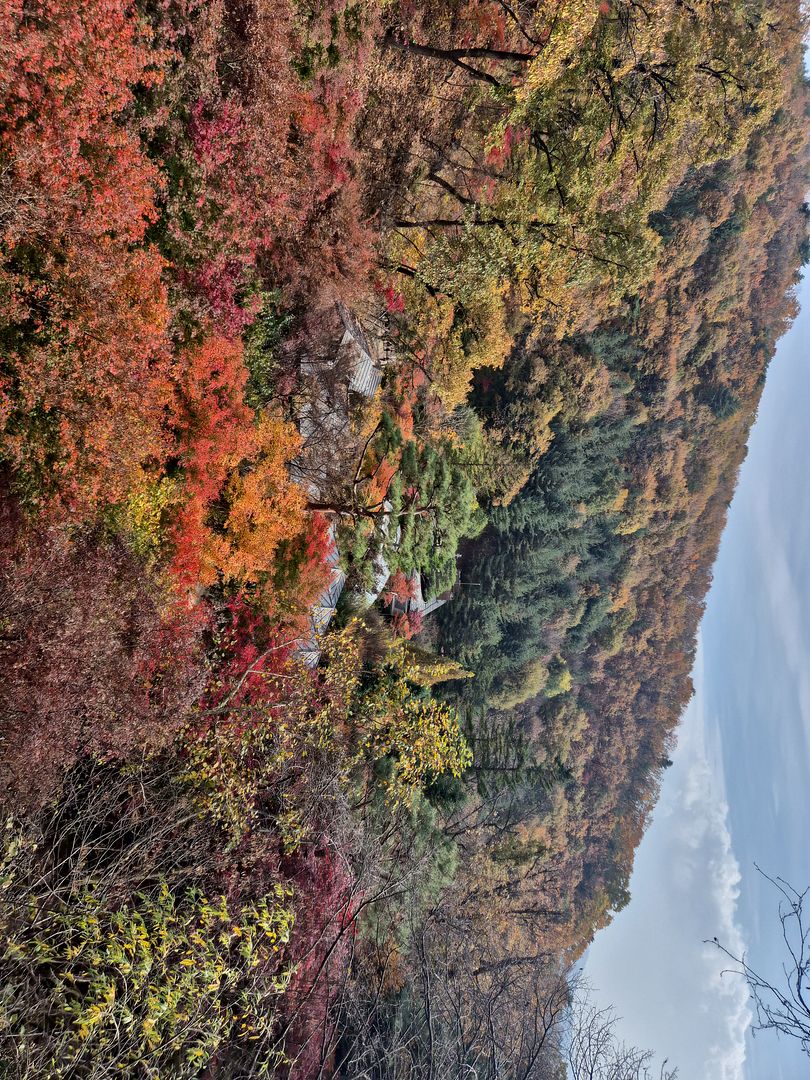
(407, 625)
(249, 648)
(215, 432)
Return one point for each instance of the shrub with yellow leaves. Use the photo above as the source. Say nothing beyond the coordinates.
(397, 719)
(159, 983)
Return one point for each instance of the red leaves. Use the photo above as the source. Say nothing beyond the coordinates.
(484, 24)
(322, 119)
(512, 137)
(305, 568)
(251, 649)
(400, 587)
(67, 73)
(214, 137)
(220, 283)
(211, 380)
(322, 936)
(407, 625)
(237, 199)
(394, 301)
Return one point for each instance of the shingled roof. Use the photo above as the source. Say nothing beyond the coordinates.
(366, 378)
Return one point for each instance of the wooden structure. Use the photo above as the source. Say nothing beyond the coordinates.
(309, 648)
(416, 602)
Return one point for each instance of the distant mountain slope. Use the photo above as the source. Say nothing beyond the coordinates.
(584, 594)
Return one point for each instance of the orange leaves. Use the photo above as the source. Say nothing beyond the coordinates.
(213, 421)
(265, 506)
(86, 313)
(240, 500)
(215, 434)
(381, 479)
(405, 419)
(90, 387)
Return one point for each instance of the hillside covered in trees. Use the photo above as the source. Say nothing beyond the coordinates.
(374, 381)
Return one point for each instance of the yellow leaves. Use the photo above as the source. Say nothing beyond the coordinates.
(179, 995)
(427, 669)
(370, 419)
(521, 685)
(563, 31)
(622, 596)
(560, 679)
(452, 331)
(148, 1028)
(229, 767)
(428, 741)
(639, 506)
(454, 339)
(422, 735)
(142, 514)
(293, 829)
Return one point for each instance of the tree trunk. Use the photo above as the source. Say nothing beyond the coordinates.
(458, 57)
(471, 52)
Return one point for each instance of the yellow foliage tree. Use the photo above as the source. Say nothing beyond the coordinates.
(450, 339)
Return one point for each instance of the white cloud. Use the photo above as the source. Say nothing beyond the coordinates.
(722, 1000)
(652, 962)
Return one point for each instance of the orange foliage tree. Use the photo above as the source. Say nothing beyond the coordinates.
(240, 503)
(83, 386)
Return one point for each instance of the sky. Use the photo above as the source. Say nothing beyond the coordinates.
(738, 793)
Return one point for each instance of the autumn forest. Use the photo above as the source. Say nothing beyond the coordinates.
(374, 379)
